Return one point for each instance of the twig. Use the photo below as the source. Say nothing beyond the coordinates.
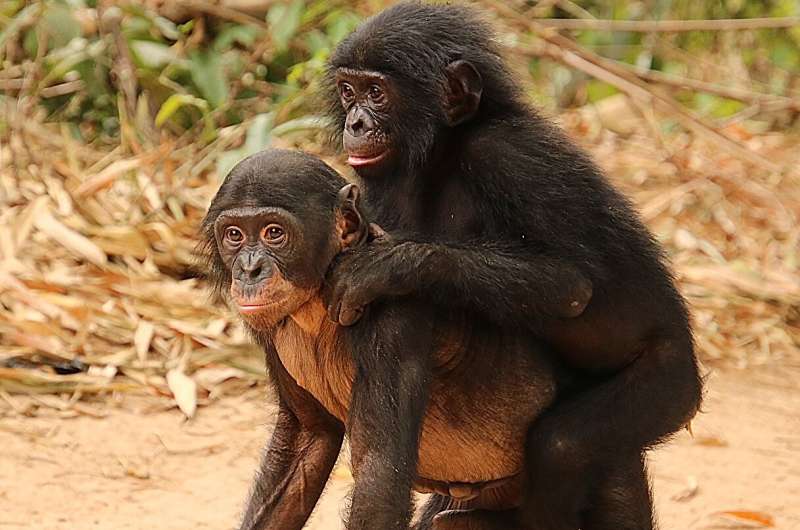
(671, 26)
(62, 89)
(222, 12)
(688, 119)
(538, 9)
(570, 53)
(123, 68)
(45, 135)
(236, 87)
(740, 94)
(575, 10)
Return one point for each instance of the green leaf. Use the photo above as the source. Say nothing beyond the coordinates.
(19, 21)
(305, 123)
(227, 160)
(284, 20)
(153, 55)
(167, 28)
(597, 90)
(30, 42)
(209, 77)
(258, 137)
(784, 55)
(244, 35)
(341, 26)
(258, 134)
(60, 25)
(175, 102)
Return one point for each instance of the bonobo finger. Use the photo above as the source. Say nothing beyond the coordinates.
(348, 317)
(335, 302)
(579, 297)
(350, 308)
(376, 232)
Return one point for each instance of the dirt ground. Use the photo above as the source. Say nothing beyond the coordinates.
(142, 466)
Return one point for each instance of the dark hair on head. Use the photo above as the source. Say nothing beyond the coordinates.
(295, 181)
(412, 43)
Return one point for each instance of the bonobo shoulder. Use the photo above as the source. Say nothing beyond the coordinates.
(531, 151)
(485, 144)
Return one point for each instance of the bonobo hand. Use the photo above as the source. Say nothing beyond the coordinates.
(361, 275)
(578, 295)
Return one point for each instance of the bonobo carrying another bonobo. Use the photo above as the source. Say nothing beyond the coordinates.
(493, 210)
(430, 398)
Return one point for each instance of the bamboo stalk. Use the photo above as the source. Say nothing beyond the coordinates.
(670, 26)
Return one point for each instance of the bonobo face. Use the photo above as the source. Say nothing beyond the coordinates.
(388, 123)
(367, 99)
(273, 229)
(258, 246)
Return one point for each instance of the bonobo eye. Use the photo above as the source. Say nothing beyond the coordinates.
(376, 94)
(347, 92)
(233, 236)
(273, 234)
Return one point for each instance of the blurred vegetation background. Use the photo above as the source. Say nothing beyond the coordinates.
(146, 69)
(120, 117)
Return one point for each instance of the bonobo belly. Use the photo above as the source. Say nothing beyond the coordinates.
(487, 389)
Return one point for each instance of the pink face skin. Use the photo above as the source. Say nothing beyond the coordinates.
(366, 99)
(358, 160)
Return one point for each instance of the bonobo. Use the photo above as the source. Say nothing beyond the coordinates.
(431, 399)
(495, 211)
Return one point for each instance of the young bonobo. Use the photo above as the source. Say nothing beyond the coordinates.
(431, 399)
(493, 210)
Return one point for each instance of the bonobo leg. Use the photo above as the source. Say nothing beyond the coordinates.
(301, 453)
(477, 520)
(621, 499)
(444, 513)
(434, 505)
(392, 352)
(574, 448)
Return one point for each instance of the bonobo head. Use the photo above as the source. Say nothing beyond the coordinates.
(407, 78)
(272, 230)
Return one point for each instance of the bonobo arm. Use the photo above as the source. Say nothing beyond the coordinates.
(504, 284)
(392, 353)
(299, 458)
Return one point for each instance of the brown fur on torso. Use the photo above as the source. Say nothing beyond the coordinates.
(481, 403)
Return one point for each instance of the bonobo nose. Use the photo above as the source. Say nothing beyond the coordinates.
(358, 122)
(250, 269)
(355, 128)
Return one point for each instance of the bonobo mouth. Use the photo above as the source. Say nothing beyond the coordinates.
(362, 151)
(256, 304)
(366, 159)
(251, 309)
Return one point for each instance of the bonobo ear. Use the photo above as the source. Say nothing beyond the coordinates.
(350, 226)
(463, 97)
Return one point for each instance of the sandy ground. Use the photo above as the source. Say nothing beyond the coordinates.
(144, 467)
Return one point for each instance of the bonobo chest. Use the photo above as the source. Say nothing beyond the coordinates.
(312, 352)
(446, 208)
(452, 210)
(463, 439)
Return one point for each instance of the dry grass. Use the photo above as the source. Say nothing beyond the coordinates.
(96, 256)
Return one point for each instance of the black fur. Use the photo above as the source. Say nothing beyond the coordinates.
(401, 384)
(504, 216)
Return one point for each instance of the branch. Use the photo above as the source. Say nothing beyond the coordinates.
(671, 26)
(110, 18)
(570, 53)
(223, 12)
(739, 94)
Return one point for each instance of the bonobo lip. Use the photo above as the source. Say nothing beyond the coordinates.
(358, 160)
(249, 309)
